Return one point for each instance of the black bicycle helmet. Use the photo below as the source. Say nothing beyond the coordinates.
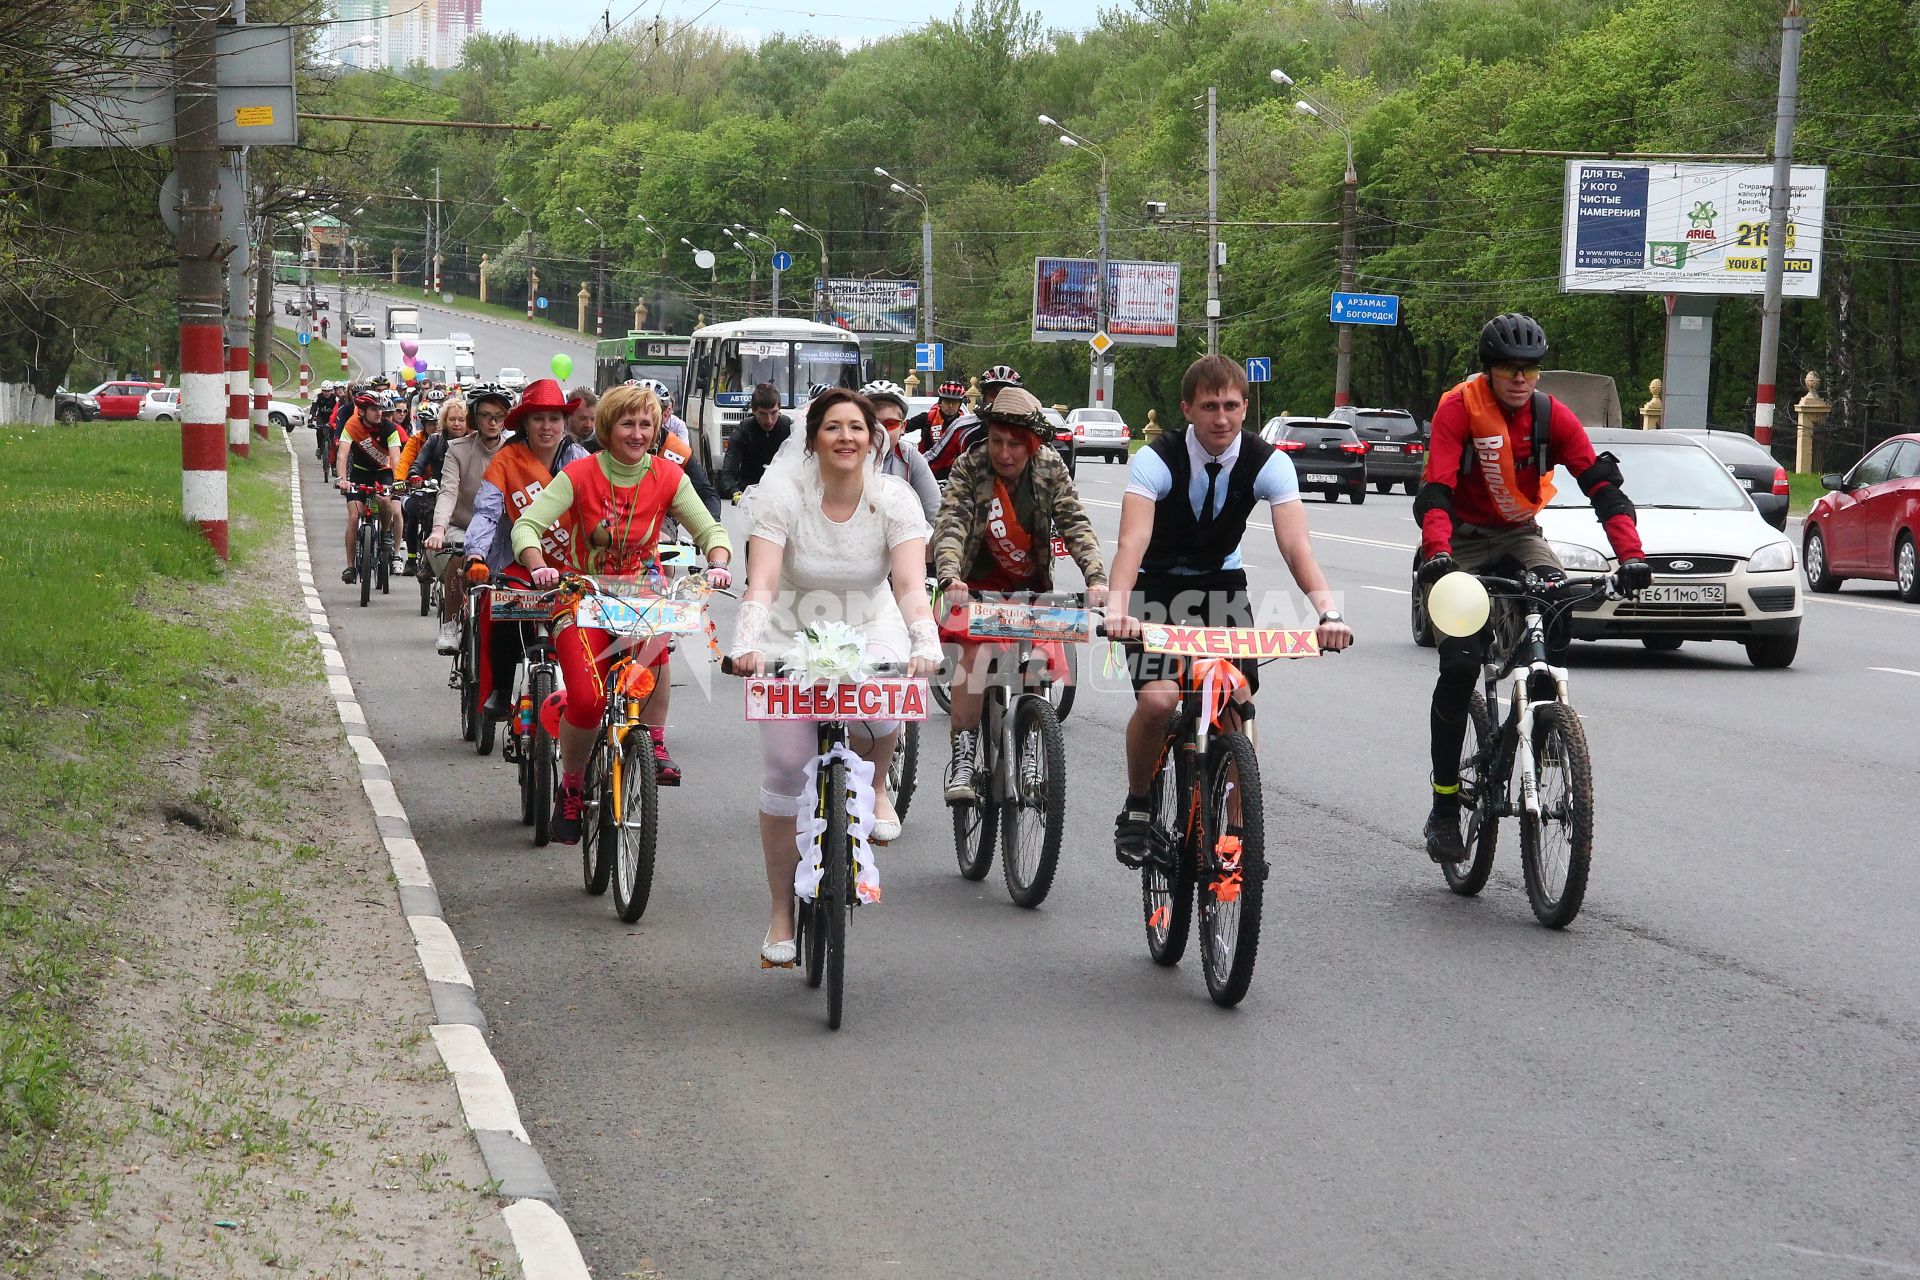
(1512, 339)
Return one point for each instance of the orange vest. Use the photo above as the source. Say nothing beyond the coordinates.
(1492, 436)
(520, 477)
(631, 515)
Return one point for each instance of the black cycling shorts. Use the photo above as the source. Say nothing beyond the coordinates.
(1217, 599)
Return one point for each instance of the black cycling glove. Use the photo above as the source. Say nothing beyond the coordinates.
(1633, 576)
(1434, 568)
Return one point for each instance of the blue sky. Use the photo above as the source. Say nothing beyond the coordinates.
(847, 20)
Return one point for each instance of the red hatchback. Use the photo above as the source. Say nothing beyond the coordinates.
(122, 399)
(1869, 525)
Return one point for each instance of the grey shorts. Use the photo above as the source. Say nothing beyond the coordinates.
(1480, 550)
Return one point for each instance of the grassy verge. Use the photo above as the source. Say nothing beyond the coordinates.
(1806, 491)
(460, 302)
(91, 541)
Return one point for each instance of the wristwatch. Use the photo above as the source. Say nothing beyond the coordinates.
(1331, 615)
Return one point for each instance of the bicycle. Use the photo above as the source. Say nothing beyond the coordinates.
(1062, 661)
(885, 693)
(429, 581)
(1022, 755)
(619, 821)
(323, 449)
(475, 725)
(1551, 761)
(528, 746)
(1207, 844)
(372, 540)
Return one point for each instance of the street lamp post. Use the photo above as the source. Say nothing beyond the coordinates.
(1097, 393)
(753, 270)
(532, 278)
(706, 258)
(1349, 204)
(926, 249)
(660, 272)
(773, 263)
(826, 271)
(599, 272)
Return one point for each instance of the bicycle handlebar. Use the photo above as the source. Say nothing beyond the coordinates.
(1532, 588)
(781, 671)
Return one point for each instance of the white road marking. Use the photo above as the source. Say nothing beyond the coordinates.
(1862, 604)
(1257, 524)
(1392, 591)
(1895, 671)
(1898, 1268)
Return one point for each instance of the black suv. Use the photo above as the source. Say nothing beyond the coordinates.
(74, 406)
(1396, 445)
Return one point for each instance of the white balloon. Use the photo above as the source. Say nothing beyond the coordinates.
(1458, 605)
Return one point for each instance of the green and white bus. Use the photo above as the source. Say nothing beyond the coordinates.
(662, 356)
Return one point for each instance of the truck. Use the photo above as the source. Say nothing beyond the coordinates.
(445, 362)
(403, 322)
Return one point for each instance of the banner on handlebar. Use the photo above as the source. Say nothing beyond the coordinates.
(641, 616)
(1229, 642)
(893, 698)
(1008, 620)
(519, 604)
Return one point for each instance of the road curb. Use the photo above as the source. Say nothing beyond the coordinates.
(541, 1237)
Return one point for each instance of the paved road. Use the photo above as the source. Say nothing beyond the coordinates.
(1713, 1073)
(497, 344)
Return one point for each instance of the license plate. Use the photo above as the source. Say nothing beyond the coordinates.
(1386, 448)
(1752, 483)
(1322, 479)
(1705, 593)
(769, 698)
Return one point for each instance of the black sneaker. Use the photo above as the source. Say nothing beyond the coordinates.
(960, 787)
(348, 576)
(497, 706)
(413, 565)
(1443, 831)
(1133, 833)
(566, 816)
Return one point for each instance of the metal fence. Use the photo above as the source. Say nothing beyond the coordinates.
(21, 403)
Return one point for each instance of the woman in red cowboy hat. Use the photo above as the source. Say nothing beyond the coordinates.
(537, 449)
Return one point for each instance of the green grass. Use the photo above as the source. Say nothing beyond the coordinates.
(1806, 491)
(110, 652)
(565, 308)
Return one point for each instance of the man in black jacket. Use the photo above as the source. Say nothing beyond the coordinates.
(754, 442)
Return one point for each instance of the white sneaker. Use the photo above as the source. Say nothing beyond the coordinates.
(449, 639)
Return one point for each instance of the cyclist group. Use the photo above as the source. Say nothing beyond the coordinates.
(557, 484)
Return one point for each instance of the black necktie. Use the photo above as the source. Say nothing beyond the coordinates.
(1206, 504)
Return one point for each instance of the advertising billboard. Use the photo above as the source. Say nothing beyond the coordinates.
(884, 310)
(1686, 228)
(1143, 301)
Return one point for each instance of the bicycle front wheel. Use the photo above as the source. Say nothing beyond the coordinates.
(1166, 882)
(366, 547)
(597, 832)
(1479, 803)
(1557, 846)
(466, 667)
(836, 889)
(537, 760)
(1033, 814)
(638, 829)
(1231, 882)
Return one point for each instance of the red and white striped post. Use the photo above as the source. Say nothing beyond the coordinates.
(203, 433)
(343, 348)
(306, 376)
(156, 375)
(262, 388)
(237, 400)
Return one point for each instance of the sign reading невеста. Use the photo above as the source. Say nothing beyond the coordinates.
(1686, 228)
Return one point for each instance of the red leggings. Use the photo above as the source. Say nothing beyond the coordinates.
(586, 655)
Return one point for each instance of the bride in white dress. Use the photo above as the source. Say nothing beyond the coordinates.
(830, 540)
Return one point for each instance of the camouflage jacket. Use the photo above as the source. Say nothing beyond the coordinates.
(960, 527)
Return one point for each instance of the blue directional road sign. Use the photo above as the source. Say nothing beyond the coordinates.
(783, 261)
(1259, 368)
(1365, 308)
(929, 357)
(305, 337)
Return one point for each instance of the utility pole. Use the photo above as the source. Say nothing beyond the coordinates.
(238, 361)
(1786, 108)
(1213, 221)
(263, 323)
(1099, 396)
(1349, 203)
(196, 119)
(439, 249)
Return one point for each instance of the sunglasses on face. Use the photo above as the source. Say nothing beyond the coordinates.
(1514, 372)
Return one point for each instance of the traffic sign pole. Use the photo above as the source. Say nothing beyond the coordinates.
(196, 122)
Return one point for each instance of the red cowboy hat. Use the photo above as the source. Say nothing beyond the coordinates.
(544, 394)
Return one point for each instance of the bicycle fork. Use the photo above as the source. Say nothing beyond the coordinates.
(1521, 714)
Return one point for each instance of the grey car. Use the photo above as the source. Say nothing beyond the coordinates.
(1396, 445)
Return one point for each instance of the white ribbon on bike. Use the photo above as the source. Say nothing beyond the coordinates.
(1215, 688)
(810, 829)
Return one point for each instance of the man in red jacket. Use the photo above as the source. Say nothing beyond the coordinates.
(1486, 479)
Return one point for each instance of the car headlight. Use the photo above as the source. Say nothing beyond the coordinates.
(1580, 559)
(1772, 558)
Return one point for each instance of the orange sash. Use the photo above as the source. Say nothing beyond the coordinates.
(1010, 545)
(1493, 438)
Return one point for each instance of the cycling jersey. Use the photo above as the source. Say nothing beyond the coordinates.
(1480, 470)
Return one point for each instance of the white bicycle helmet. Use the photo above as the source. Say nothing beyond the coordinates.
(881, 389)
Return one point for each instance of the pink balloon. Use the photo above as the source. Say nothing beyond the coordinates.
(409, 348)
